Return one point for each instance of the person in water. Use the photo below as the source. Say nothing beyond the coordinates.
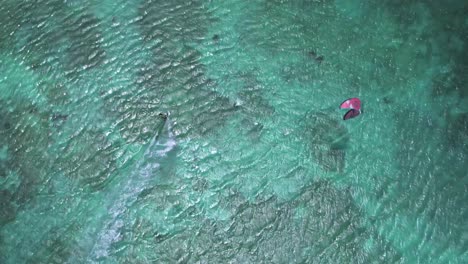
(163, 116)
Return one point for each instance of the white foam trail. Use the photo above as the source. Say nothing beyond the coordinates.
(136, 183)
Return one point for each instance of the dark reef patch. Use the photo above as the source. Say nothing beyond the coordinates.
(456, 133)
(25, 140)
(7, 207)
(322, 224)
(85, 40)
(444, 39)
(432, 179)
(55, 247)
(174, 78)
(43, 30)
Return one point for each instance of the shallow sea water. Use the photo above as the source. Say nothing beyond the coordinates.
(253, 163)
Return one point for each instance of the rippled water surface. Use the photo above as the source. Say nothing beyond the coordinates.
(152, 131)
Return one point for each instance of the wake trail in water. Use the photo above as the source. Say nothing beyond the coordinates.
(127, 192)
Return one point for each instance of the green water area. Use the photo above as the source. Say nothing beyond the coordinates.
(205, 131)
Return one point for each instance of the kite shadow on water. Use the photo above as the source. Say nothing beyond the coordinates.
(327, 136)
(327, 139)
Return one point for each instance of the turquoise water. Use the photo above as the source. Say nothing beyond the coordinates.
(253, 163)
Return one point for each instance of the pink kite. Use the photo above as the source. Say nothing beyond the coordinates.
(354, 104)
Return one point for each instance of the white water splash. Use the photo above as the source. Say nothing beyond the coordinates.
(146, 168)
